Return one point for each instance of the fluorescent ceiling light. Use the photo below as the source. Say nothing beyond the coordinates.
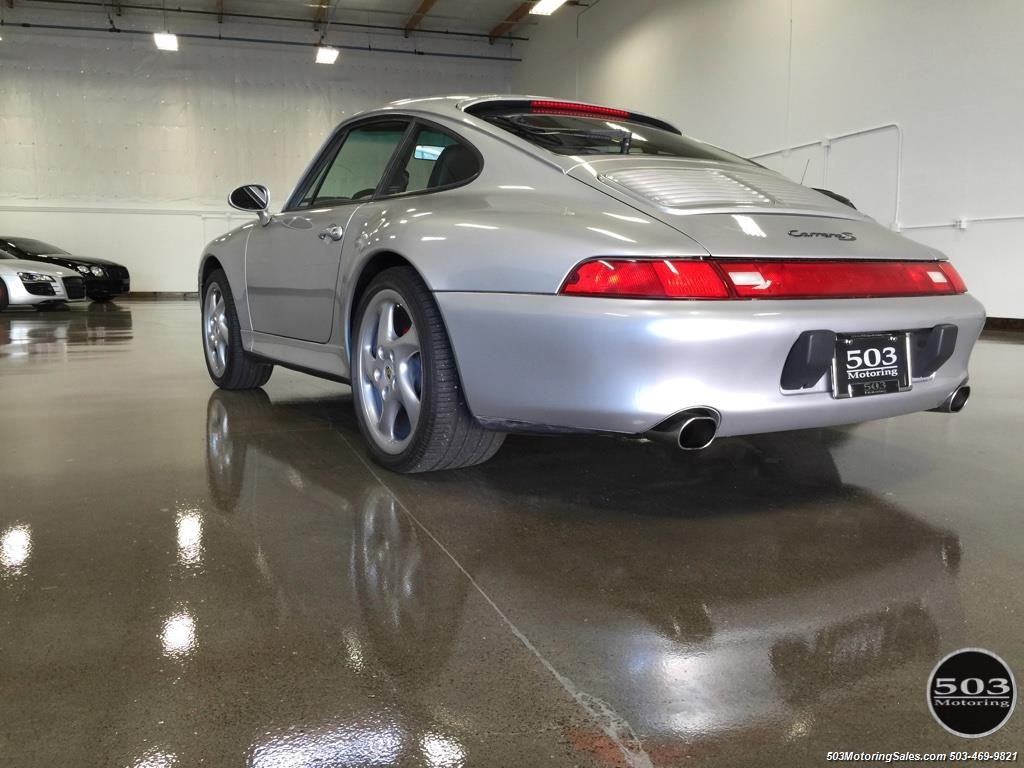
(326, 55)
(165, 41)
(546, 7)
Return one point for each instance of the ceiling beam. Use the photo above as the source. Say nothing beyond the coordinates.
(321, 15)
(510, 21)
(151, 6)
(421, 10)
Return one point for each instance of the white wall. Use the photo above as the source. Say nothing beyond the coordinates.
(762, 75)
(113, 149)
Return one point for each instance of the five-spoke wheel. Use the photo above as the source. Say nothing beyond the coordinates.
(215, 330)
(390, 371)
(405, 385)
(229, 365)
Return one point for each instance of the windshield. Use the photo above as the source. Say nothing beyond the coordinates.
(594, 135)
(24, 247)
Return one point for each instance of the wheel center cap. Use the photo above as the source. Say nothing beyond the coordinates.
(389, 372)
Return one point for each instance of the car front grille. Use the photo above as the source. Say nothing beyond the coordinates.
(74, 287)
(39, 289)
(116, 271)
(105, 286)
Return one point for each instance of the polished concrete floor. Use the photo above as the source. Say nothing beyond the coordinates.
(191, 577)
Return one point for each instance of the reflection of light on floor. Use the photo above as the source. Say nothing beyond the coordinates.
(354, 651)
(340, 744)
(156, 759)
(190, 537)
(179, 634)
(15, 548)
(441, 752)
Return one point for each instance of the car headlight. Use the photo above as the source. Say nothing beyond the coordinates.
(83, 269)
(98, 271)
(35, 277)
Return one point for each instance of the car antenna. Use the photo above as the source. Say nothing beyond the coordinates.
(804, 174)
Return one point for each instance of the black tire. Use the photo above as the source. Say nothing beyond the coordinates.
(3, 296)
(446, 435)
(242, 370)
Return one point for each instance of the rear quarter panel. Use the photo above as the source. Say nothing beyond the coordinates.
(520, 226)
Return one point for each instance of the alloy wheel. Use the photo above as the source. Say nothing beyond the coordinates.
(389, 371)
(215, 330)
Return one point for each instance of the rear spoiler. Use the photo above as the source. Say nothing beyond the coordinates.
(490, 107)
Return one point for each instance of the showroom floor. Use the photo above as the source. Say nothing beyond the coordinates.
(193, 577)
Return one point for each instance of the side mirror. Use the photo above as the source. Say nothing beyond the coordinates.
(251, 197)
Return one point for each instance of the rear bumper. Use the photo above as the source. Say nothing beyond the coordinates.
(623, 366)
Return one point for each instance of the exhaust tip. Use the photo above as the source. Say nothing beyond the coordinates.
(958, 399)
(697, 432)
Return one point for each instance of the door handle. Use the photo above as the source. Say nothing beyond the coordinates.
(333, 232)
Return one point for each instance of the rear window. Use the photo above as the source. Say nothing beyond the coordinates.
(583, 134)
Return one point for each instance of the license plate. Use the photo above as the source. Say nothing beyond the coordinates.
(871, 364)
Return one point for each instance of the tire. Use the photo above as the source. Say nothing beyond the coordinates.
(3, 295)
(440, 433)
(229, 365)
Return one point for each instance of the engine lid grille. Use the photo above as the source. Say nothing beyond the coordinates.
(698, 188)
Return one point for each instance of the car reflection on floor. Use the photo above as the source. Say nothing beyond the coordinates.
(771, 586)
(78, 330)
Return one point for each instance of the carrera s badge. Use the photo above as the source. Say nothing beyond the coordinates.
(837, 235)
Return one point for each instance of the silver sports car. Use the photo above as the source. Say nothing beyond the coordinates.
(479, 265)
(29, 283)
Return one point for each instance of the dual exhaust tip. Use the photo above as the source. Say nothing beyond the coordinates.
(696, 428)
(689, 430)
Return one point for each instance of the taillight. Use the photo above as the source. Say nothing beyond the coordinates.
(575, 108)
(839, 279)
(953, 276)
(648, 279)
(794, 279)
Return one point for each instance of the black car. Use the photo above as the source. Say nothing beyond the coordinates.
(103, 279)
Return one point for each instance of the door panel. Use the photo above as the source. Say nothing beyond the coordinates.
(292, 263)
(292, 273)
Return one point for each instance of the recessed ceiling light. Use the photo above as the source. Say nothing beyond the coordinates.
(546, 7)
(326, 55)
(165, 41)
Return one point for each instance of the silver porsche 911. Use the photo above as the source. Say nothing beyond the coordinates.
(479, 265)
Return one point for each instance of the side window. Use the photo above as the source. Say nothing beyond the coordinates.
(434, 159)
(357, 167)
